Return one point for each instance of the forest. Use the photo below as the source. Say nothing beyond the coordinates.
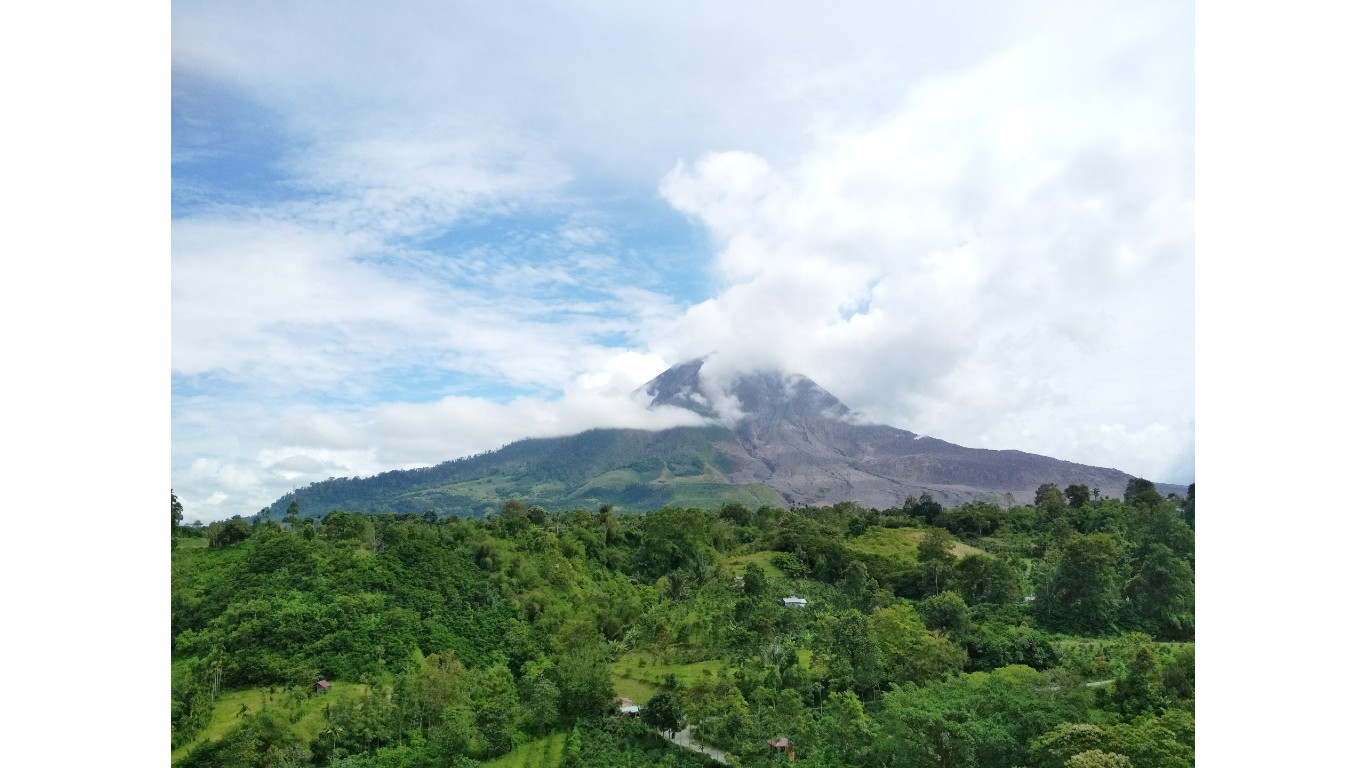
(1057, 634)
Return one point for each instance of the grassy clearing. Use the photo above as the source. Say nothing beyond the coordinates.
(702, 493)
(899, 544)
(655, 670)
(635, 690)
(191, 542)
(616, 480)
(547, 751)
(736, 564)
(640, 683)
(228, 712)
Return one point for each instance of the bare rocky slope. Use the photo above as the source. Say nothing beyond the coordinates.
(797, 438)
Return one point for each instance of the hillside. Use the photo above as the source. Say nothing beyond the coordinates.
(1040, 635)
(792, 443)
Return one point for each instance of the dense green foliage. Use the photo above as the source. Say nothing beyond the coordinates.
(454, 640)
(630, 469)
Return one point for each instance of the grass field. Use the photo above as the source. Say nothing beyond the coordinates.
(228, 708)
(548, 752)
(649, 679)
(899, 544)
(635, 690)
(736, 564)
(639, 683)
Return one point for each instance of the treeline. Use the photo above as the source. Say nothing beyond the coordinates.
(934, 636)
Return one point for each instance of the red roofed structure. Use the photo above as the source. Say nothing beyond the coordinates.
(783, 745)
(321, 686)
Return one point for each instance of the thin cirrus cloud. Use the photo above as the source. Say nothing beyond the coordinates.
(404, 237)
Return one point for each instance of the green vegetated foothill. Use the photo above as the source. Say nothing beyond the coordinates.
(1057, 634)
(630, 469)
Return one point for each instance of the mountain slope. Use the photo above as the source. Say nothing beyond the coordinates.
(778, 439)
(798, 438)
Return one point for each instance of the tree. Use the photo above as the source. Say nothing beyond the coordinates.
(972, 720)
(1094, 758)
(225, 535)
(1077, 495)
(756, 581)
(177, 513)
(514, 516)
(848, 732)
(925, 507)
(1049, 500)
(664, 711)
(1141, 493)
(1189, 507)
(855, 582)
(340, 525)
(573, 749)
(946, 612)
(738, 514)
(672, 539)
(978, 517)
(493, 699)
(433, 687)
(848, 653)
(1164, 741)
(359, 725)
(610, 525)
(540, 703)
(908, 651)
(982, 578)
(1139, 690)
(1054, 748)
(718, 711)
(1160, 595)
(1062, 742)
(1160, 598)
(934, 558)
(1081, 593)
(1178, 675)
(585, 680)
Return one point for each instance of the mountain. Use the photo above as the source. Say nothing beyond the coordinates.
(777, 439)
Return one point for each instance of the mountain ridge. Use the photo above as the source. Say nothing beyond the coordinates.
(773, 438)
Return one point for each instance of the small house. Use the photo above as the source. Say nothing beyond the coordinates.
(794, 602)
(321, 686)
(783, 746)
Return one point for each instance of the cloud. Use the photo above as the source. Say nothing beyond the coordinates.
(404, 237)
(311, 443)
(1002, 260)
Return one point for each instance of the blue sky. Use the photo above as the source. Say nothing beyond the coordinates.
(408, 233)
